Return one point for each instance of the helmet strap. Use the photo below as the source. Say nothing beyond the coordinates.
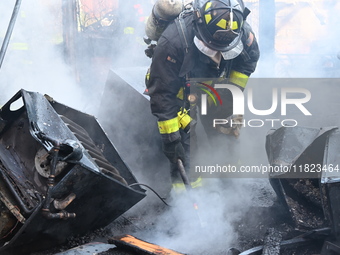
(231, 19)
(196, 8)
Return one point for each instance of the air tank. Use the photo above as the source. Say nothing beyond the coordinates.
(162, 13)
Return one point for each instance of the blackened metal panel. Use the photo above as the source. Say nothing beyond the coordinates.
(332, 159)
(330, 181)
(299, 190)
(47, 117)
(126, 116)
(99, 137)
(99, 198)
(285, 145)
(44, 117)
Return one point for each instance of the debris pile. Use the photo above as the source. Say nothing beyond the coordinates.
(60, 175)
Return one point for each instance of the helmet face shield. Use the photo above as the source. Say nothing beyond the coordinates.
(203, 48)
(219, 25)
(234, 52)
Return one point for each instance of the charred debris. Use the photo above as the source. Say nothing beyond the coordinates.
(304, 218)
(59, 175)
(309, 190)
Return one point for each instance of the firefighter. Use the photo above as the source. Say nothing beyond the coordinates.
(212, 42)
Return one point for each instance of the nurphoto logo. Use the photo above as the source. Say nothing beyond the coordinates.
(239, 103)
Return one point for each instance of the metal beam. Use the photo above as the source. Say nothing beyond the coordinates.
(9, 31)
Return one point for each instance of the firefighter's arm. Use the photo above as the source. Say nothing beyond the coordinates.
(245, 64)
(163, 87)
(242, 67)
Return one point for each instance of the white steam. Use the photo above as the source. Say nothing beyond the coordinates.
(33, 60)
(306, 46)
(301, 50)
(210, 229)
(305, 42)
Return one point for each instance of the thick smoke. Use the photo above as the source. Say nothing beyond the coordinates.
(306, 45)
(293, 48)
(221, 201)
(207, 228)
(297, 39)
(33, 60)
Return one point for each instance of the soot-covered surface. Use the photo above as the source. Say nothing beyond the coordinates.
(250, 228)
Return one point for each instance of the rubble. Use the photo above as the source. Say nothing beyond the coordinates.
(272, 242)
(309, 190)
(62, 181)
(60, 175)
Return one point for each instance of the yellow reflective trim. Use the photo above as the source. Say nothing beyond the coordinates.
(234, 26)
(19, 46)
(179, 186)
(129, 30)
(222, 24)
(168, 126)
(197, 183)
(238, 78)
(207, 6)
(184, 119)
(207, 18)
(180, 93)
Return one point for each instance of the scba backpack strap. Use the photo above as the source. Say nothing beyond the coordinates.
(182, 31)
(187, 64)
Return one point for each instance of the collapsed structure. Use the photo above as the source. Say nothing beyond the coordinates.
(309, 191)
(60, 175)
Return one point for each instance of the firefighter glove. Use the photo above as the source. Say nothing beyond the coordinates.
(149, 51)
(233, 126)
(174, 151)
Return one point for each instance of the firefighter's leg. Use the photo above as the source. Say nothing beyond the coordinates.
(174, 172)
(189, 142)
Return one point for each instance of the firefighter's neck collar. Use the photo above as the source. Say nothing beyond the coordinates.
(217, 58)
(203, 48)
(213, 54)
